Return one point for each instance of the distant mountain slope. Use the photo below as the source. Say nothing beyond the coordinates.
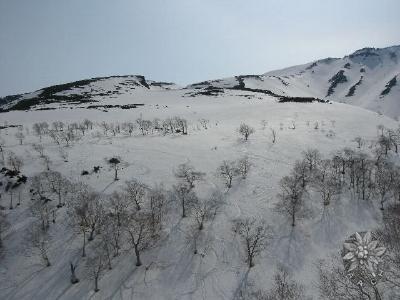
(82, 91)
(367, 78)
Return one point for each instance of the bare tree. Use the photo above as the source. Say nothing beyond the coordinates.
(300, 171)
(157, 205)
(383, 181)
(273, 132)
(41, 205)
(58, 185)
(105, 126)
(188, 174)
(389, 234)
(326, 182)
(204, 123)
(39, 149)
(181, 125)
(135, 191)
(141, 234)
(186, 196)
(20, 137)
(2, 144)
(284, 287)
(112, 233)
(245, 130)
(291, 202)
(106, 244)
(243, 166)
(360, 142)
(68, 136)
(41, 241)
(206, 209)
(4, 224)
(255, 235)
(58, 125)
(227, 170)
(312, 157)
(119, 206)
(40, 129)
(16, 162)
(128, 127)
(96, 265)
(86, 212)
(73, 278)
(334, 283)
(88, 124)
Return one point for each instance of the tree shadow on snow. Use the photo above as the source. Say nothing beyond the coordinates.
(291, 247)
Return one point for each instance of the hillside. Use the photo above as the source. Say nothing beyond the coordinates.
(125, 188)
(366, 78)
(171, 269)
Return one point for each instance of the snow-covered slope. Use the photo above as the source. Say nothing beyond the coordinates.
(214, 110)
(83, 92)
(368, 78)
(171, 270)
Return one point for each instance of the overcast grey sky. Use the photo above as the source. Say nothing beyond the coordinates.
(45, 42)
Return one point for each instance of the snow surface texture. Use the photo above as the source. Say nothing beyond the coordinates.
(173, 271)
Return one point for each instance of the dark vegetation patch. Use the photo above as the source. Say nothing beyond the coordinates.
(200, 84)
(365, 52)
(207, 91)
(256, 77)
(162, 84)
(241, 84)
(284, 99)
(362, 70)
(9, 126)
(8, 99)
(17, 177)
(125, 106)
(143, 81)
(281, 99)
(353, 88)
(46, 108)
(282, 81)
(336, 79)
(328, 60)
(347, 66)
(389, 86)
(312, 66)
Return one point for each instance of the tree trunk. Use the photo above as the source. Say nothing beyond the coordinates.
(96, 284)
(91, 233)
(84, 244)
(293, 219)
(377, 295)
(11, 201)
(74, 279)
(251, 263)
(137, 253)
(183, 209)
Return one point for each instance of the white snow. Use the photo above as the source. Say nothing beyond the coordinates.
(173, 271)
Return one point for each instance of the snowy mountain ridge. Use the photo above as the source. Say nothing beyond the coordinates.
(367, 78)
